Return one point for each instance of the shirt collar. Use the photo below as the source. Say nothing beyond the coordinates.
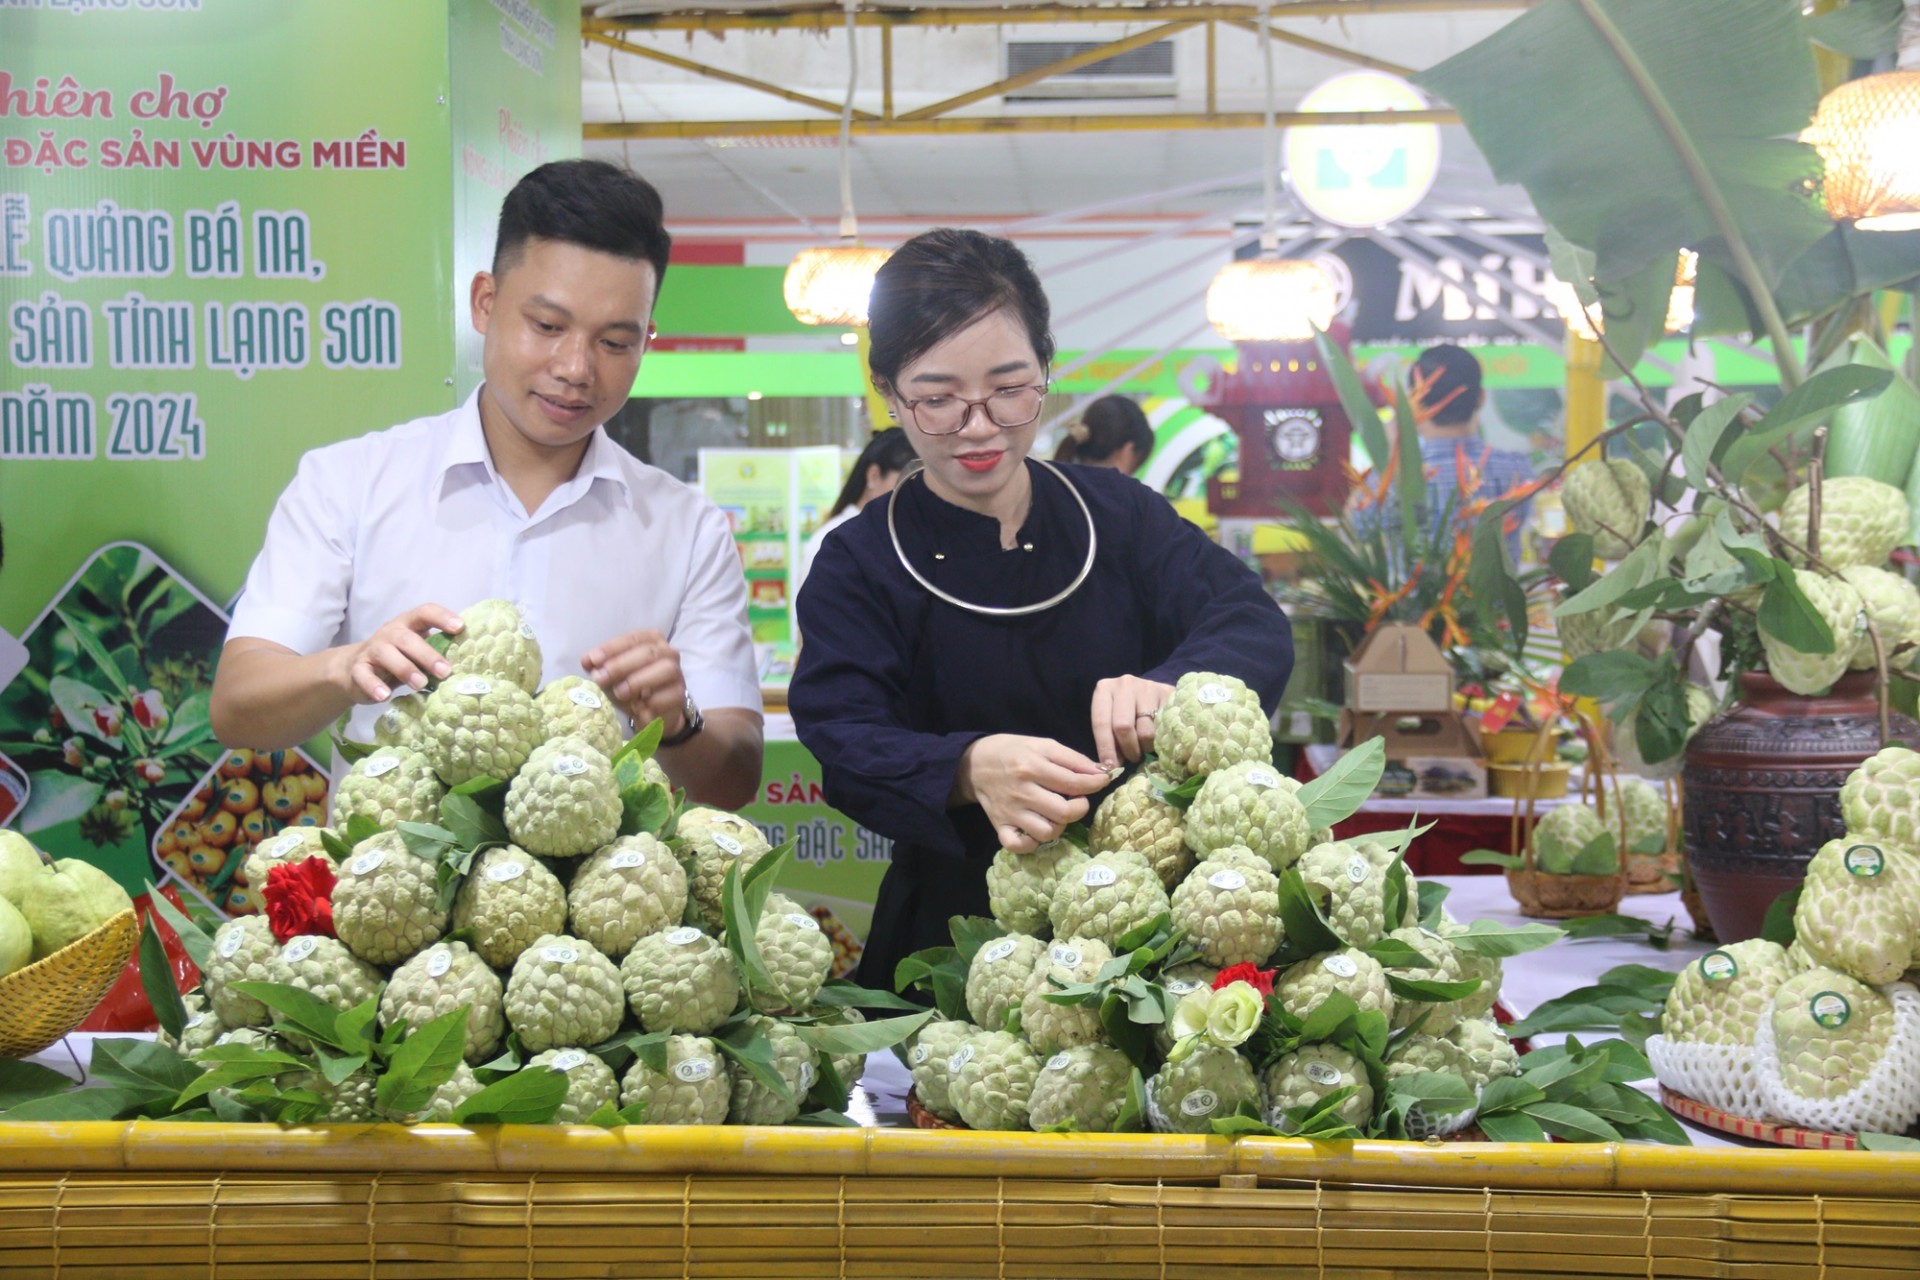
(465, 446)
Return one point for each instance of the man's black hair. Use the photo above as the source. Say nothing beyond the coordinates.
(589, 203)
(1455, 375)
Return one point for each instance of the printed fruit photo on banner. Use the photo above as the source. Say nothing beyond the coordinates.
(108, 718)
(252, 809)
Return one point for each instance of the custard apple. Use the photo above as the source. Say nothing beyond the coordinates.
(445, 977)
(292, 845)
(201, 1029)
(1646, 815)
(1439, 1018)
(1230, 911)
(794, 952)
(999, 975)
(243, 951)
(680, 980)
(1489, 1051)
(1349, 879)
(1471, 964)
(563, 802)
(563, 994)
(325, 969)
(508, 899)
(1894, 605)
(1838, 604)
(1210, 722)
(848, 1066)
(1107, 897)
(399, 724)
(574, 707)
(1626, 744)
(478, 726)
(1721, 997)
(1859, 909)
(991, 1079)
(1310, 1075)
(449, 1097)
(797, 1064)
(384, 901)
(1881, 798)
(1081, 1089)
(1020, 886)
(1563, 832)
(1052, 1027)
(624, 891)
(349, 1102)
(696, 1087)
(1350, 971)
(934, 1046)
(1421, 1052)
(1133, 816)
(709, 842)
(1247, 804)
(495, 641)
(1829, 1031)
(1799, 959)
(1608, 500)
(390, 786)
(1592, 632)
(1209, 1083)
(1861, 520)
(590, 1082)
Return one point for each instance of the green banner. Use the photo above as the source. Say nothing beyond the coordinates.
(837, 863)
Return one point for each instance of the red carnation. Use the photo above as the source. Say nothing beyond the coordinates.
(300, 899)
(1260, 980)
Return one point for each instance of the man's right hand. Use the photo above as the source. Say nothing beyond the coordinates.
(1031, 788)
(396, 654)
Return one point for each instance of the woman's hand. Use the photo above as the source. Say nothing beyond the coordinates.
(1123, 708)
(1031, 788)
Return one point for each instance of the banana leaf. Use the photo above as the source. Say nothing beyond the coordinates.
(1837, 268)
(1877, 438)
(1640, 127)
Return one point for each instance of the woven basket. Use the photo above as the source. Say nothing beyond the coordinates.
(1555, 897)
(42, 1002)
(925, 1119)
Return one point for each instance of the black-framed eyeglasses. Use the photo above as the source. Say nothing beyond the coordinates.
(1008, 407)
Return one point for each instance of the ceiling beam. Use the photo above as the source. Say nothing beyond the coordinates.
(1058, 67)
(956, 126)
(832, 17)
(730, 77)
(1330, 50)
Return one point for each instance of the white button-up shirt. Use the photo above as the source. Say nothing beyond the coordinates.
(417, 514)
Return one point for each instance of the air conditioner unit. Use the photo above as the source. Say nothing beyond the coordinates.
(1145, 72)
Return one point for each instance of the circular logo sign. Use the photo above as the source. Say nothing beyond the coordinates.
(999, 951)
(1098, 877)
(960, 1058)
(726, 844)
(694, 1070)
(801, 920)
(284, 845)
(1362, 175)
(195, 1020)
(569, 766)
(526, 629)
(230, 939)
(1718, 966)
(561, 954)
(1294, 437)
(1228, 880)
(583, 697)
(1065, 955)
(1059, 1062)
(368, 862)
(1340, 966)
(627, 859)
(1211, 693)
(568, 1059)
(1830, 1009)
(806, 1076)
(501, 872)
(439, 960)
(1265, 778)
(381, 765)
(1201, 1102)
(1357, 869)
(1182, 986)
(1865, 861)
(474, 687)
(299, 949)
(1322, 1074)
(685, 936)
(920, 1055)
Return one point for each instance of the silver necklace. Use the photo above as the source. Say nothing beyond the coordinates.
(1016, 611)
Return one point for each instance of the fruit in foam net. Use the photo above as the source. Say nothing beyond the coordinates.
(1861, 520)
(1310, 1075)
(1721, 997)
(1489, 1052)
(1859, 909)
(930, 1060)
(1829, 1032)
(1208, 1083)
(1020, 886)
(1210, 721)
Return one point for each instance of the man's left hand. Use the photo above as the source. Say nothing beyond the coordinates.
(640, 671)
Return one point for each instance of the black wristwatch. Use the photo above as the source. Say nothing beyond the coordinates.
(695, 722)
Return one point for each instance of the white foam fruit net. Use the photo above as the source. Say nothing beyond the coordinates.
(1720, 1075)
(1887, 1101)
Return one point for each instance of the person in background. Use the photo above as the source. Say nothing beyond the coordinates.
(622, 571)
(1112, 432)
(990, 641)
(1461, 468)
(874, 473)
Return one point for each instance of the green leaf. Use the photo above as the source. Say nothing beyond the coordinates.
(743, 897)
(1588, 1008)
(1433, 898)
(645, 808)
(1861, 29)
(862, 1037)
(337, 849)
(941, 971)
(304, 1012)
(1236, 1125)
(750, 1050)
(1507, 1093)
(970, 933)
(1811, 401)
(1574, 1124)
(361, 827)
(1401, 840)
(468, 824)
(1306, 928)
(156, 979)
(1435, 1094)
(353, 1025)
(1888, 1142)
(1180, 796)
(1492, 858)
(1600, 856)
(1335, 359)
(141, 1064)
(225, 1054)
(1615, 926)
(79, 1104)
(643, 744)
(425, 1060)
(1702, 439)
(823, 1118)
(648, 1047)
(1132, 1117)
(338, 1067)
(1510, 1127)
(1789, 617)
(1778, 924)
(525, 1097)
(1636, 571)
(197, 942)
(1337, 794)
(1490, 575)
(1609, 676)
(1142, 934)
(1572, 561)
(1395, 894)
(24, 1081)
(1492, 938)
(839, 993)
(1135, 1039)
(1431, 990)
(228, 1075)
(1392, 953)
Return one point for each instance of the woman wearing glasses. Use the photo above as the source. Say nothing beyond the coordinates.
(986, 646)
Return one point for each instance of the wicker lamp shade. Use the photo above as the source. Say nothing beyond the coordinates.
(831, 285)
(1271, 300)
(1587, 321)
(1868, 133)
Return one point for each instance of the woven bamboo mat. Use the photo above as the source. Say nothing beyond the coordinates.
(423, 1226)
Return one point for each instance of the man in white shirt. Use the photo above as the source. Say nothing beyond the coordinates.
(624, 573)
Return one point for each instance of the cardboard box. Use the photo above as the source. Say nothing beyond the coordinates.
(1399, 668)
(1430, 755)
